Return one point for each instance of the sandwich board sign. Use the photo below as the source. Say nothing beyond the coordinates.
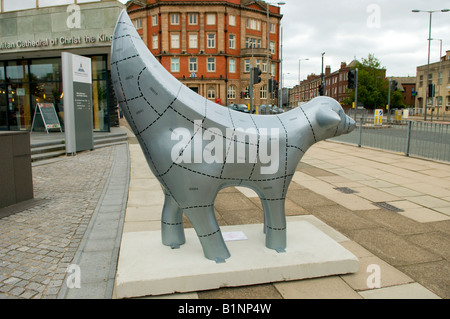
(49, 116)
(77, 86)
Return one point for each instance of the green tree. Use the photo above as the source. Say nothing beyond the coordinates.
(372, 84)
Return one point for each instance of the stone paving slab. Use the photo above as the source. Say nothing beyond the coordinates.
(39, 242)
(403, 247)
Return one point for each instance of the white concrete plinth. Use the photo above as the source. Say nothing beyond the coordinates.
(146, 267)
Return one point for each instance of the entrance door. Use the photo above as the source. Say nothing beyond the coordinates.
(3, 109)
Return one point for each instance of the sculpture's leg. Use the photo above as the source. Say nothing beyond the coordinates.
(275, 224)
(172, 230)
(208, 231)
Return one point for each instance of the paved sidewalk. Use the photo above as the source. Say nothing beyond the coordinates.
(391, 211)
(72, 227)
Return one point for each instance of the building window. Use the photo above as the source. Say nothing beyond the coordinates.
(211, 93)
(232, 41)
(193, 18)
(263, 92)
(193, 41)
(154, 20)
(155, 42)
(232, 66)
(272, 28)
(211, 43)
(272, 69)
(264, 67)
(253, 24)
(211, 65)
(175, 41)
(252, 42)
(193, 65)
(174, 19)
(448, 80)
(232, 20)
(231, 92)
(272, 47)
(175, 64)
(247, 66)
(211, 19)
(421, 81)
(137, 23)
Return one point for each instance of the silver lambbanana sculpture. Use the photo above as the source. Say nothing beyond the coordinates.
(195, 147)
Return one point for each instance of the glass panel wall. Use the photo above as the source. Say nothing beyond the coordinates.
(100, 93)
(25, 83)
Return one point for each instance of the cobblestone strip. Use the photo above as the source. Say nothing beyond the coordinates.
(38, 244)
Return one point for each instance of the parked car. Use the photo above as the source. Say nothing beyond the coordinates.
(239, 107)
(277, 110)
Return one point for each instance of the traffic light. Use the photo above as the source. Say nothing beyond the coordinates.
(256, 75)
(394, 85)
(270, 85)
(351, 79)
(275, 86)
(321, 89)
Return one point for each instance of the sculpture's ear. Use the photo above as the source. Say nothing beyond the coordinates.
(327, 118)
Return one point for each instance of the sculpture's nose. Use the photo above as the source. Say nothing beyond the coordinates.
(351, 124)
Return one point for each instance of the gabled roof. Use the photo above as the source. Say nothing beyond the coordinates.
(138, 3)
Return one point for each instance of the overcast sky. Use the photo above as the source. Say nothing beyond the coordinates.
(348, 29)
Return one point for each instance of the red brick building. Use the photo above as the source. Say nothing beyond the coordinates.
(209, 45)
(335, 85)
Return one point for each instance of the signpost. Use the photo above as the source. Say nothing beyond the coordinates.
(77, 86)
(378, 118)
(49, 116)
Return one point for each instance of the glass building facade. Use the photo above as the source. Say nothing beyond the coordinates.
(24, 83)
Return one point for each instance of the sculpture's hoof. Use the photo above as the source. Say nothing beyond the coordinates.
(219, 260)
(175, 246)
(280, 250)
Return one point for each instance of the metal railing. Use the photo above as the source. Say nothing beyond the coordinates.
(415, 138)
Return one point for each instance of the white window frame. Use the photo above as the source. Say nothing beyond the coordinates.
(232, 20)
(211, 41)
(175, 40)
(263, 92)
(193, 18)
(193, 41)
(210, 19)
(273, 28)
(231, 94)
(211, 65)
(175, 19)
(246, 66)
(211, 93)
(137, 23)
(232, 41)
(232, 65)
(155, 42)
(193, 65)
(272, 47)
(175, 65)
(154, 20)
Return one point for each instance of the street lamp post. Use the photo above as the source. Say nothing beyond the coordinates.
(299, 60)
(428, 64)
(438, 105)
